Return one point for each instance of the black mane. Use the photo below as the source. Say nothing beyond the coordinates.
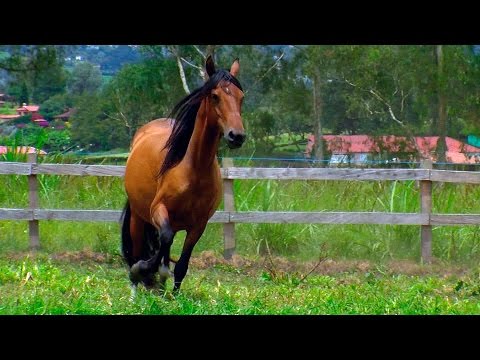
(185, 113)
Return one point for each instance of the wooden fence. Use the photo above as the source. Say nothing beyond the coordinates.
(229, 217)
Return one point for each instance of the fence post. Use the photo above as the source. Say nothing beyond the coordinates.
(229, 205)
(426, 208)
(33, 203)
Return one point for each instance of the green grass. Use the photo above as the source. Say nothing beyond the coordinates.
(41, 284)
(86, 286)
(299, 241)
(5, 110)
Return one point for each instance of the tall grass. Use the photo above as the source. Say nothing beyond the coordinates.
(302, 241)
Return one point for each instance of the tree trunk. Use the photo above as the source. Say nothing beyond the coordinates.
(211, 51)
(182, 75)
(175, 51)
(442, 107)
(317, 116)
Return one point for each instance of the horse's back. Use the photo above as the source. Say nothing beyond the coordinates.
(158, 129)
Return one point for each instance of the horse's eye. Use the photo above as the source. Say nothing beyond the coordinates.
(215, 98)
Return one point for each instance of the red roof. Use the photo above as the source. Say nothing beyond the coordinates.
(350, 144)
(66, 114)
(21, 150)
(41, 122)
(29, 108)
(8, 117)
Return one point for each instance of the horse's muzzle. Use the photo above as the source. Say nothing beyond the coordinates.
(235, 140)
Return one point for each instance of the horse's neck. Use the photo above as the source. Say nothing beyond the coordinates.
(202, 149)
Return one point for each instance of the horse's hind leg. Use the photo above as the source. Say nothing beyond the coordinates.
(139, 272)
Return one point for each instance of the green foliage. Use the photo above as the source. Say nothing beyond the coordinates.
(48, 139)
(94, 128)
(19, 90)
(55, 105)
(31, 135)
(36, 72)
(7, 110)
(85, 77)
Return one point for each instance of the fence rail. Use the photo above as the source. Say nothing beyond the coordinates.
(229, 217)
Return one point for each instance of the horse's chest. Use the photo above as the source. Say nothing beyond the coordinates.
(194, 201)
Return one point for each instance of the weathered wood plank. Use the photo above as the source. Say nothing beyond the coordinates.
(33, 203)
(426, 208)
(258, 217)
(220, 217)
(469, 177)
(455, 219)
(16, 214)
(329, 218)
(77, 215)
(81, 215)
(325, 174)
(426, 230)
(79, 170)
(229, 205)
(14, 168)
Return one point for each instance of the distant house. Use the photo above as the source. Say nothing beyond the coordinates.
(37, 118)
(66, 115)
(360, 148)
(27, 109)
(6, 118)
(21, 150)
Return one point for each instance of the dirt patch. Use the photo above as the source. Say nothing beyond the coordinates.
(81, 256)
(208, 259)
(67, 256)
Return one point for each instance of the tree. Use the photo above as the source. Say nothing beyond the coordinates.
(142, 92)
(35, 72)
(85, 77)
(55, 105)
(93, 128)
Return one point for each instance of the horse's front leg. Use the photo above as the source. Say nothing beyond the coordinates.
(161, 221)
(181, 267)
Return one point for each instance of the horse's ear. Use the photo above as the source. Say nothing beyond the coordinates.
(235, 69)
(210, 66)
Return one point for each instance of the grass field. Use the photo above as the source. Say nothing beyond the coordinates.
(88, 283)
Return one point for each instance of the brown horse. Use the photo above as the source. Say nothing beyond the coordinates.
(172, 176)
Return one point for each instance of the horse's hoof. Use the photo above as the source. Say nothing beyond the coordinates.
(149, 280)
(138, 272)
(164, 272)
(133, 293)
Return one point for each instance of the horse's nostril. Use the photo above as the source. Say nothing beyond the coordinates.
(237, 138)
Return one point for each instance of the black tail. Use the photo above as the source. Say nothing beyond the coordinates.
(150, 242)
(127, 245)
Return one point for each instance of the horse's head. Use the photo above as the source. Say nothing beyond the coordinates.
(225, 103)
